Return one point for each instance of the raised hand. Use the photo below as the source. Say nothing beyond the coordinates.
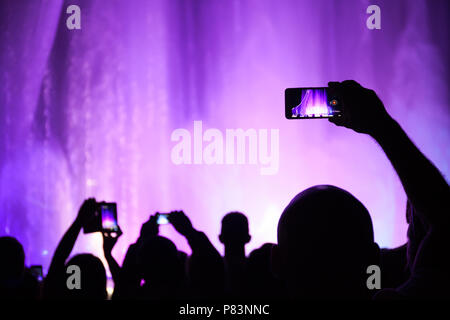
(181, 222)
(67, 242)
(150, 228)
(363, 110)
(86, 210)
(110, 240)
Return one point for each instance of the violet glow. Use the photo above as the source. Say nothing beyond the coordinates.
(313, 103)
(109, 223)
(108, 220)
(89, 113)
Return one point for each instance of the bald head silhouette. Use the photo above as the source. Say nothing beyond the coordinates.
(325, 244)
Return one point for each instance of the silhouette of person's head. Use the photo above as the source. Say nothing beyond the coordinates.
(262, 283)
(92, 277)
(259, 259)
(159, 262)
(234, 233)
(13, 259)
(325, 244)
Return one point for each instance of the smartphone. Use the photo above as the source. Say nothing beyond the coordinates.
(108, 212)
(163, 218)
(312, 103)
(37, 272)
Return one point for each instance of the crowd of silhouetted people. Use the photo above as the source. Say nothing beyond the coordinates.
(325, 242)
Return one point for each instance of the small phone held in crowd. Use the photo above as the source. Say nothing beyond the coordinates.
(37, 273)
(163, 218)
(312, 103)
(103, 218)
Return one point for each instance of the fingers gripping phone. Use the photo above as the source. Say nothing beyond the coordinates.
(103, 218)
(312, 103)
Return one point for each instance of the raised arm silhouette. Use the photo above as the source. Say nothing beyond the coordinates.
(93, 279)
(426, 189)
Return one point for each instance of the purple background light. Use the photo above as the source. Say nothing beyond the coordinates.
(90, 112)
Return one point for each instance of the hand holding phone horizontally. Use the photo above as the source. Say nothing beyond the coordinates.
(312, 103)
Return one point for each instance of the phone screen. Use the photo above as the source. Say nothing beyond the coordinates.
(163, 218)
(312, 103)
(108, 213)
(37, 272)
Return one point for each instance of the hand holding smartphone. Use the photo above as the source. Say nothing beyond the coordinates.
(37, 273)
(103, 218)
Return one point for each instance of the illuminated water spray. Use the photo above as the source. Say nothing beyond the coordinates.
(313, 103)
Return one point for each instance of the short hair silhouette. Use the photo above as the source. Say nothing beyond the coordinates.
(262, 283)
(234, 229)
(93, 277)
(325, 244)
(159, 262)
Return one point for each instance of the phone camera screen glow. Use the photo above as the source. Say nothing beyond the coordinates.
(163, 219)
(108, 218)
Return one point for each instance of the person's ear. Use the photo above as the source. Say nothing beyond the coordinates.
(220, 238)
(275, 260)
